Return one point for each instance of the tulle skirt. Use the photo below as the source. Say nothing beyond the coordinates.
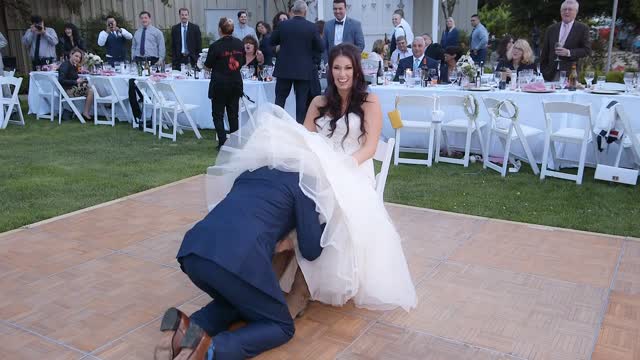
(362, 256)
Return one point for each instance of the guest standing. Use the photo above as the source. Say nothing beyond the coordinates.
(572, 38)
(243, 29)
(186, 41)
(342, 29)
(3, 44)
(300, 45)
(70, 39)
(280, 17)
(263, 30)
(479, 40)
(225, 57)
(148, 41)
(400, 28)
(114, 38)
(320, 25)
(41, 41)
(450, 35)
(76, 86)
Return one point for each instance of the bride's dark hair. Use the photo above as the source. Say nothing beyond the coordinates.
(357, 97)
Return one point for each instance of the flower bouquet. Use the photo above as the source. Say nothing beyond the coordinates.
(467, 67)
(92, 60)
(364, 55)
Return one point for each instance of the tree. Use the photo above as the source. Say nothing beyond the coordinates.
(447, 7)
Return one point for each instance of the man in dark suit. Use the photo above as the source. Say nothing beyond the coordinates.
(225, 58)
(228, 255)
(342, 29)
(186, 41)
(300, 44)
(564, 43)
(418, 61)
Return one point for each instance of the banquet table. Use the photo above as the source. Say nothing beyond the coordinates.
(192, 91)
(530, 113)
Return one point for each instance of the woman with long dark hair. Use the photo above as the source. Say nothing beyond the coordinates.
(362, 258)
(264, 37)
(70, 39)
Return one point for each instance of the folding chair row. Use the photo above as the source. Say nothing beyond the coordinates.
(51, 91)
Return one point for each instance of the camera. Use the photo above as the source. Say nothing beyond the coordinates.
(111, 24)
(38, 27)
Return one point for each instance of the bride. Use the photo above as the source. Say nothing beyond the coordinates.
(362, 258)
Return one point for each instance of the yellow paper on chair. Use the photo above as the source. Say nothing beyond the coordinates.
(396, 119)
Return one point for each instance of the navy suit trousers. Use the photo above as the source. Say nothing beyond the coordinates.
(302, 90)
(269, 324)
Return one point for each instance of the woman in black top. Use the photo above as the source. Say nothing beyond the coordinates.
(264, 37)
(75, 86)
(225, 58)
(70, 39)
(451, 56)
(252, 56)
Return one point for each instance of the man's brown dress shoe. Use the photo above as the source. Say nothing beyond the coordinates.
(174, 326)
(195, 344)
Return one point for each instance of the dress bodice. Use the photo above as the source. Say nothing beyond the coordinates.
(352, 142)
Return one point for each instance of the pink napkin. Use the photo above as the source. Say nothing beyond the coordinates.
(538, 86)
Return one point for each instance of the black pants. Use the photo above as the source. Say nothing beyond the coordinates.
(302, 91)
(269, 324)
(222, 101)
(181, 59)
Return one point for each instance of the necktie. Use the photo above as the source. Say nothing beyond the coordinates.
(416, 64)
(184, 39)
(36, 51)
(142, 39)
(339, 22)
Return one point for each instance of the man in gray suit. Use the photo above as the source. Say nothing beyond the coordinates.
(342, 29)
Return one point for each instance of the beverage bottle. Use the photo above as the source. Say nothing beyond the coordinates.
(573, 78)
(380, 74)
(478, 79)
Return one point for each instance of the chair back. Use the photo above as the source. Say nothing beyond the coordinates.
(149, 93)
(451, 103)
(43, 84)
(421, 107)
(384, 151)
(628, 132)
(167, 94)
(102, 86)
(497, 121)
(10, 73)
(567, 108)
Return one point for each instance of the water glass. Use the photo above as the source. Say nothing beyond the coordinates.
(563, 79)
(589, 76)
(601, 81)
(628, 80)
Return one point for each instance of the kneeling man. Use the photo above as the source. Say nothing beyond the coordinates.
(229, 256)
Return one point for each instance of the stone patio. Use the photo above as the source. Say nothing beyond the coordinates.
(95, 283)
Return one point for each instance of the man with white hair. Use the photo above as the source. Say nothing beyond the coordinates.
(564, 43)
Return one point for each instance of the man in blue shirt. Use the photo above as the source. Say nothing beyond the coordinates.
(479, 40)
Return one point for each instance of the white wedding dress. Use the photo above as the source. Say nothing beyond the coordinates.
(362, 258)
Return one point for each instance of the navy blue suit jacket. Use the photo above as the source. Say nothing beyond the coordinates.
(352, 33)
(300, 44)
(407, 63)
(241, 232)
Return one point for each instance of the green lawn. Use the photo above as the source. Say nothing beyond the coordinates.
(48, 170)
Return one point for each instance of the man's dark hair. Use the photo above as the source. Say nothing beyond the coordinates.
(36, 19)
(340, 2)
(241, 12)
(181, 10)
(110, 17)
(145, 13)
(475, 16)
(399, 12)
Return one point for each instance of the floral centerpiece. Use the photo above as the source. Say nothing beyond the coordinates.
(364, 55)
(467, 67)
(202, 58)
(91, 60)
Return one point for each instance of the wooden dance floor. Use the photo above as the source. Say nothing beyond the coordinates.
(94, 285)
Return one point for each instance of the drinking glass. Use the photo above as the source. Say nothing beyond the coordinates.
(563, 79)
(273, 61)
(557, 46)
(118, 66)
(496, 78)
(601, 81)
(453, 77)
(589, 76)
(388, 77)
(628, 80)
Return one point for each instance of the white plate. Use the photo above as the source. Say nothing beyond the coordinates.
(605, 92)
(539, 91)
(482, 88)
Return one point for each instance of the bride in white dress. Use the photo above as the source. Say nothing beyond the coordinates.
(362, 258)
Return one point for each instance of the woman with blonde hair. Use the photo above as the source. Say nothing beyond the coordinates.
(377, 52)
(519, 57)
(450, 35)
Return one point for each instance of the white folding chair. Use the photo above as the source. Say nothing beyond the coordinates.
(384, 151)
(46, 92)
(149, 98)
(422, 123)
(568, 135)
(468, 126)
(172, 103)
(507, 130)
(105, 92)
(13, 85)
(630, 140)
(64, 98)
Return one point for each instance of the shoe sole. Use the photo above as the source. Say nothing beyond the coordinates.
(169, 324)
(193, 336)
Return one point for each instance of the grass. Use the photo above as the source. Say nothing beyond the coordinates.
(49, 170)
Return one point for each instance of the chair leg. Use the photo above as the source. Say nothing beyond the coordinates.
(175, 125)
(527, 150)
(193, 125)
(60, 109)
(485, 161)
(431, 145)
(554, 156)
(583, 156)
(95, 111)
(113, 114)
(545, 157)
(505, 159)
(467, 147)
(396, 150)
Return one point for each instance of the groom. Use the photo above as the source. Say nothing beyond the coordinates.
(228, 255)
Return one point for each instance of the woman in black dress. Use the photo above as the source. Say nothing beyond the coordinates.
(74, 85)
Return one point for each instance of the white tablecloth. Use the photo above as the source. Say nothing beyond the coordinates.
(531, 113)
(192, 92)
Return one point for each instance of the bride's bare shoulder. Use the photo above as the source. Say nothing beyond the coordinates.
(372, 102)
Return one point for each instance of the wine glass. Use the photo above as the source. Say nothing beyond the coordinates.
(628, 80)
(453, 77)
(589, 76)
(563, 79)
(273, 61)
(601, 81)
(557, 46)
(496, 78)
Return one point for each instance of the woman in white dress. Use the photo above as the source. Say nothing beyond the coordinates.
(362, 258)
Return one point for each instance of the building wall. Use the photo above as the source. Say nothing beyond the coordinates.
(461, 14)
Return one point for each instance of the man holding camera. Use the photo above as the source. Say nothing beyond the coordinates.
(41, 41)
(115, 40)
